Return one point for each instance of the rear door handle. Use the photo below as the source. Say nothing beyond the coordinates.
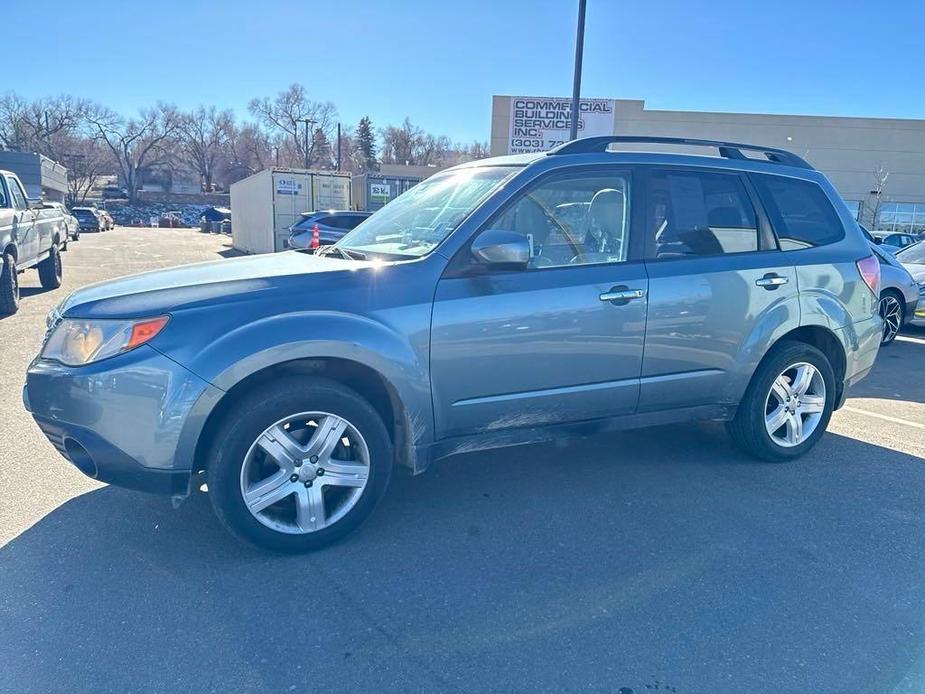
(771, 281)
(621, 295)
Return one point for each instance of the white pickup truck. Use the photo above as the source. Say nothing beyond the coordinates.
(30, 236)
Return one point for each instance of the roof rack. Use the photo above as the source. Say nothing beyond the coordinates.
(727, 150)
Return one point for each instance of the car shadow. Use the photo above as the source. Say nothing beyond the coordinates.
(26, 292)
(231, 252)
(659, 556)
(898, 373)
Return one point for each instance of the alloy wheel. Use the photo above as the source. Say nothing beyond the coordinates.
(795, 404)
(891, 311)
(305, 472)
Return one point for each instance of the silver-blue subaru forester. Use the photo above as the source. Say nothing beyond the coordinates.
(503, 301)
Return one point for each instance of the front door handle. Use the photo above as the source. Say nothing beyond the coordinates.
(771, 281)
(621, 295)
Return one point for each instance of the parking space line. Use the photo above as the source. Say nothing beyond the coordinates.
(907, 338)
(885, 417)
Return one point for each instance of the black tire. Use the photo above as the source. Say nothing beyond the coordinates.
(9, 286)
(748, 430)
(248, 419)
(50, 269)
(76, 236)
(900, 315)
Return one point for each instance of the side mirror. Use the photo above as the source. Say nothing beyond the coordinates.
(35, 203)
(878, 240)
(501, 250)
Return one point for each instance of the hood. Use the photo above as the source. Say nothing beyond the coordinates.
(159, 291)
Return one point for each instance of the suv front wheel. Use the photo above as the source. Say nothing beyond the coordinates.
(788, 404)
(298, 464)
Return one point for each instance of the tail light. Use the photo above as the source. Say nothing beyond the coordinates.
(869, 268)
(316, 237)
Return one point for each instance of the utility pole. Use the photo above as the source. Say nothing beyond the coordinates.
(307, 121)
(337, 167)
(576, 82)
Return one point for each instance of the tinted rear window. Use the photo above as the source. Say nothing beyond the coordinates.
(800, 212)
(699, 213)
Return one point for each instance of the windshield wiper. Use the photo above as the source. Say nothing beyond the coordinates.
(343, 253)
(351, 254)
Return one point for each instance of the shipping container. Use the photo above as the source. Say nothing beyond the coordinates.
(373, 190)
(265, 205)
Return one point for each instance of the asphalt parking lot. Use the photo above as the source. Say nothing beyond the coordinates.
(654, 560)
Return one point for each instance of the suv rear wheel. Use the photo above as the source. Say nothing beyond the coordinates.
(50, 269)
(9, 285)
(298, 464)
(788, 404)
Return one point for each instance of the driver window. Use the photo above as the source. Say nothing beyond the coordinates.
(578, 220)
(19, 198)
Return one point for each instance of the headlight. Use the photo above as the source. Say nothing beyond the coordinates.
(76, 342)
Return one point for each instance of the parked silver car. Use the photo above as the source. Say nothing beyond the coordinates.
(509, 300)
(899, 294)
(71, 224)
(912, 258)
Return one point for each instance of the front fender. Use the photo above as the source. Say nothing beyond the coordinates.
(245, 350)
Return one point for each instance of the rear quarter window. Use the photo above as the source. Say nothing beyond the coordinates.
(801, 213)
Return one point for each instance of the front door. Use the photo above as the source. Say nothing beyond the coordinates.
(558, 342)
(24, 223)
(718, 287)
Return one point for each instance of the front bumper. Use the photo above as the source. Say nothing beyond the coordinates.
(122, 420)
(915, 313)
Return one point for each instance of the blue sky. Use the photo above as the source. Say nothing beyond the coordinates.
(440, 62)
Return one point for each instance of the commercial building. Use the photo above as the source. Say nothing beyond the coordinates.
(877, 164)
(42, 177)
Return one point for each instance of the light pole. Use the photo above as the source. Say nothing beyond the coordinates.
(307, 121)
(576, 82)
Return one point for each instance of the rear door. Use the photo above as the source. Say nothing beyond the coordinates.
(560, 341)
(719, 287)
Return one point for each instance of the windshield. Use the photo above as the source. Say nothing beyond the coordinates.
(416, 221)
(914, 254)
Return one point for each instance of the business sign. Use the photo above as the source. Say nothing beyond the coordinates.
(380, 192)
(287, 186)
(540, 123)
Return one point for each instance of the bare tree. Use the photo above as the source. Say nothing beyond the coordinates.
(284, 118)
(399, 142)
(86, 160)
(44, 125)
(409, 144)
(203, 139)
(249, 150)
(870, 214)
(136, 143)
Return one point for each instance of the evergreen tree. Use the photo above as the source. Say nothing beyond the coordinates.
(366, 143)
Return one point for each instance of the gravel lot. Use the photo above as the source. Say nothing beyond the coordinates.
(659, 559)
